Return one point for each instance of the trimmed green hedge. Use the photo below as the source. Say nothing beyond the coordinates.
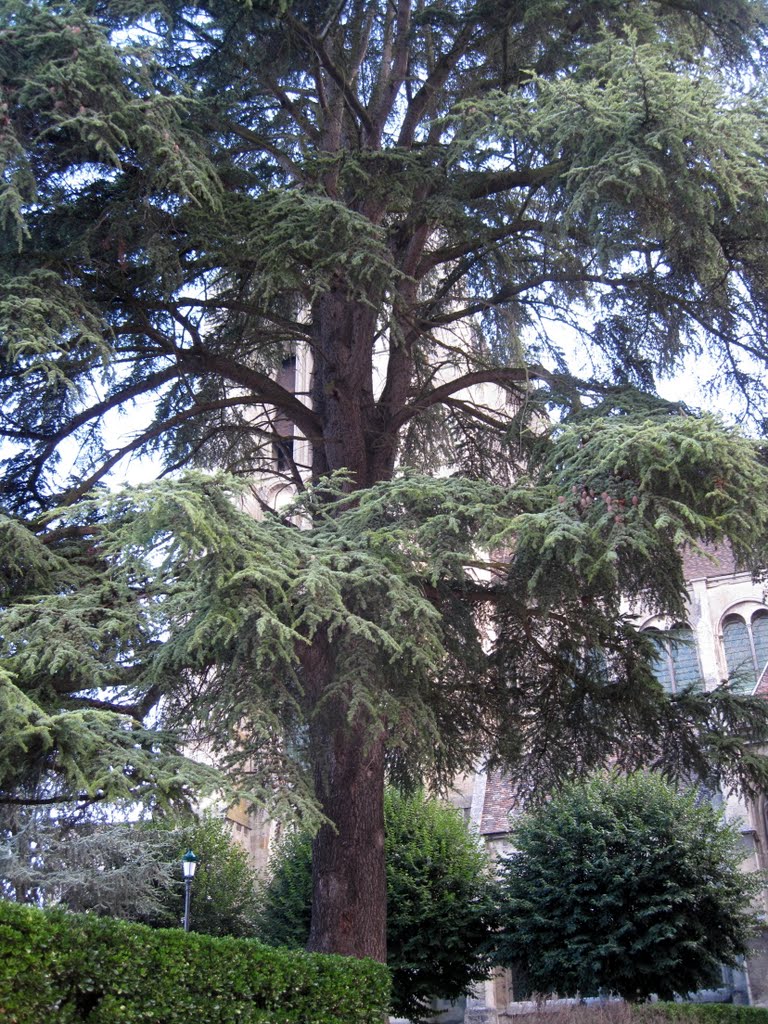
(72, 968)
(703, 1013)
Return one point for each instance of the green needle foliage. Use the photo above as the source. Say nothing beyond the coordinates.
(75, 731)
(418, 202)
(441, 902)
(214, 610)
(624, 885)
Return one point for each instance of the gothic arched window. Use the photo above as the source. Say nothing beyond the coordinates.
(677, 664)
(745, 643)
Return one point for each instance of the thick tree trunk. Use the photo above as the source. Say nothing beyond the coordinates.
(353, 436)
(349, 894)
(349, 891)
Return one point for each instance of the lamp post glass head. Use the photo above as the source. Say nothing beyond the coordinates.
(188, 864)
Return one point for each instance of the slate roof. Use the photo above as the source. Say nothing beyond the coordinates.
(713, 560)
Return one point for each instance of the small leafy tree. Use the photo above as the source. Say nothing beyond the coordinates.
(625, 885)
(130, 870)
(224, 893)
(440, 901)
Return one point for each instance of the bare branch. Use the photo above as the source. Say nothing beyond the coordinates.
(262, 142)
(420, 104)
(317, 44)
(294, 328)
(142, 439)
(263, 389)
(449, 254)
(482, 184)
(395, 73)
(290, 108)
(475, 411)
(41, 801)
(502, 376)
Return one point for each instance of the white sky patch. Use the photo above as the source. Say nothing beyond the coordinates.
(692, 385)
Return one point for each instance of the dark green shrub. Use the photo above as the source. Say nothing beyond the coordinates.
(624, 885)
(440, 902)
(76, 968)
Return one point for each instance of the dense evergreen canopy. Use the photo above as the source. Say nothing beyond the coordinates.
(422, 199)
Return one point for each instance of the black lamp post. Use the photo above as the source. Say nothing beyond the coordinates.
(188, 865)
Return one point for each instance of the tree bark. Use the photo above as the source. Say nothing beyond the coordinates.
(349, 891)
(347, 750)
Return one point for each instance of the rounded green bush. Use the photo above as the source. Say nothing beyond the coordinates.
(624, 885)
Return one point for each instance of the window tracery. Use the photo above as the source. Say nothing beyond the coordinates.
(745, 645)
(676, 665)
